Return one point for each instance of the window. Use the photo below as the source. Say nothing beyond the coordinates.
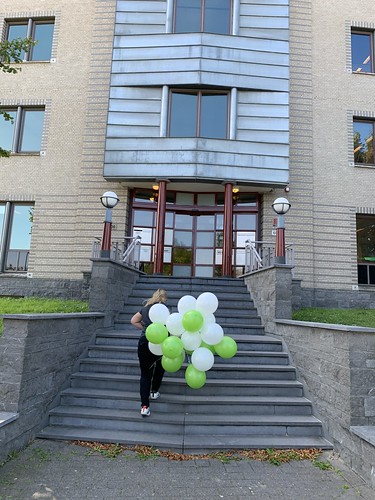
(198, 114)
(366, 249)
(23, 132)
(209, 16)
(362, 51)
(40, 31)
(363, 145)
(15, 236)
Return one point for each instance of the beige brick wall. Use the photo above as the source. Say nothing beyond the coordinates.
(67, 182)
(326, 189)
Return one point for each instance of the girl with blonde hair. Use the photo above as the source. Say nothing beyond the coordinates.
(151, 369)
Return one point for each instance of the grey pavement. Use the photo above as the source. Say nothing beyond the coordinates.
(56, 470)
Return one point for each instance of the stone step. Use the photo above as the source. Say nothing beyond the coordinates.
(219, 370)
(246, 342)
(251, 325)
(179, 422)
(139, 295)
(242, 356)
(181, 443)
(192, 404)
(177, 385)
(224, 314)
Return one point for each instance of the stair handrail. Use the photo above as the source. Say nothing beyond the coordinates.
(132, 254)
(260, 254)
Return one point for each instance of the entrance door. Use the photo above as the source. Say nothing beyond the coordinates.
(193, 234)
(193, 244)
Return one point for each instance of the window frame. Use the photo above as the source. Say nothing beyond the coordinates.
(31, 24)
(372, 122)
(371, 34)
(19, 127)
(198, 119)
(202, 19)
(6, 235)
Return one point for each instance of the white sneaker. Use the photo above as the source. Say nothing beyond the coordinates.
(155, 394)
(145, 411)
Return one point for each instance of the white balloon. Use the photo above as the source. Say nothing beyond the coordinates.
(202, 359)
(207, 320)
(186, 303)
(207, 302)
(174, 324)
(158, 313)
(212, 334)
(155, 349)
(191, 341)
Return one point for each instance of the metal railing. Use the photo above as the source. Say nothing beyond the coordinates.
(260, 254)
(126, 251)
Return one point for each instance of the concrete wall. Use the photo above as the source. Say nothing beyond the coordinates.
(37, 355)
(336, 363)
(110, 285)
(66, 183)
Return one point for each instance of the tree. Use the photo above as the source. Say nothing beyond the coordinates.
(10, 55)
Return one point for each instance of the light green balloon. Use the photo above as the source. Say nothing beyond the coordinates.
(226, 348)
(210, 347)
(156, 333)
(195, 378)
(171, 365)
(172, 347)
(192, 321)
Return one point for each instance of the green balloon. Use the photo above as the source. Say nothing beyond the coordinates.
(195, 378)
(210, 347)
(171, 365)
(226, 348)
(172, 347)
(156, 333)
(192, 321)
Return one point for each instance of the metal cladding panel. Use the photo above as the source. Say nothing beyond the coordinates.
(201, 159)
(147, 59)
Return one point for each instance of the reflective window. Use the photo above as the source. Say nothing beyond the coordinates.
(39, 31)
(366, 249)
(198, 114)
(7, 130)
(15, 236)
(32, 128)
(43, 34)
(363, 145)
(210, 16)
(23, 133)
(362, 52)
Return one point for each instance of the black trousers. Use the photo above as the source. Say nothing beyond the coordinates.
(151, 371)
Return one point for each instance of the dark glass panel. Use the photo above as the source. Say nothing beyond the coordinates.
(366, 238)
(182, 255)
(7, 131)
(187, 16)
(245, 221)
(362, 53)
(32, 129)
(214, 111)
(206, 222)
(143, 195)
(363, 145)
(183, 238)
(362, 275)
(248, 199)
(17, 31)
(143, 218)
(217, 16)
(183, 115)
(43, 34)
(183, 221)
(372, 275)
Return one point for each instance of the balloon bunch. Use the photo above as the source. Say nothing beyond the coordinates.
(193, 331)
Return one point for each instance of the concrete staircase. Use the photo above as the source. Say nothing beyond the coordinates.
(250, 401)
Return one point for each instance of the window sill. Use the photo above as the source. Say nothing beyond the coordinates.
(363, 165)
(362, 73)
(19, 153)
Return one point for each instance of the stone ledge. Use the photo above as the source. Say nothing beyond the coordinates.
(6, 417)
(367, 433)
